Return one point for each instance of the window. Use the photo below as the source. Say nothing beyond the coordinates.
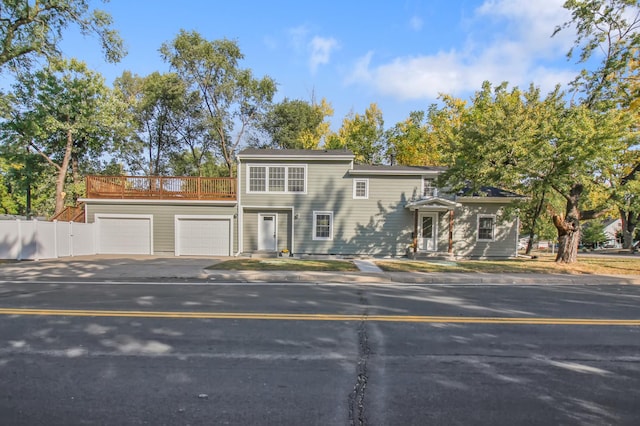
(323, 225)
(296, 179)
(429, 187)
(361, 188)
(486, 227)
(276, 178)
(427, 226)
(257, 179)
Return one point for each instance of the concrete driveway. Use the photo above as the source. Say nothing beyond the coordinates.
(110, 267)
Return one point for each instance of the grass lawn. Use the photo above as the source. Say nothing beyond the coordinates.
(285, 264)
(605, 265)
(543, 264)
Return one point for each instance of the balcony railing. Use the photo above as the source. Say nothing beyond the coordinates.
(161, 187)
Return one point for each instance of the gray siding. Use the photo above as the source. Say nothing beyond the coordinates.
(379, 225)
(465, 237)
(163, 219)
(250, 231)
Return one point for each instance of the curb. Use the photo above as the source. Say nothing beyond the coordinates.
(419, 278)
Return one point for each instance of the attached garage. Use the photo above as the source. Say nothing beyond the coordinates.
(203, 235)
(124, 234)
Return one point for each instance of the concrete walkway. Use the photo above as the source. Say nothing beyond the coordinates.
(181, 269)
(367, 266)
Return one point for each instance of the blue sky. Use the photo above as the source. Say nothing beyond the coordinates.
(397, 54)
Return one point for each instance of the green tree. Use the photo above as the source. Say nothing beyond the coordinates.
(414, 142)
(155, 102)
(233, 100)
(362, 134)
(196, 140)
(293, 124)
(611, 28)
(64, 113)
(593, 233)
(518, 140)
(33, 28)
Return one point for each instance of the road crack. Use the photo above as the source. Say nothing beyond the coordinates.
(357, 396)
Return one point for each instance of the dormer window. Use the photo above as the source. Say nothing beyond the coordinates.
(429, 187)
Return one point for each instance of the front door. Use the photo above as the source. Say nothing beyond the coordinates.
(428, 232)
(267, 232)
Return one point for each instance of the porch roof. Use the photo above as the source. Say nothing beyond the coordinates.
(432, 204)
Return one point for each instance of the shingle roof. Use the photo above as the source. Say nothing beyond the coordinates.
(417, 169)
(488, 191)
(268, 152)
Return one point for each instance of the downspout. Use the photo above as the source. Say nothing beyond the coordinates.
(239, 209)
(293, 237)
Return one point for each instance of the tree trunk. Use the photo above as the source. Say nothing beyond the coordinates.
(75, 173)
(534, 220)
(629, 223)
(62, 173)
(569, 227)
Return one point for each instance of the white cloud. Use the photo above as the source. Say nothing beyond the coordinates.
(321, 49)
(517, 48)
(532, 22)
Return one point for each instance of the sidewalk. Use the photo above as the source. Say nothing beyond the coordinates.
(172, 269)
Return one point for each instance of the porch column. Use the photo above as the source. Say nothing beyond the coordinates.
(450, 231)
(415, 231)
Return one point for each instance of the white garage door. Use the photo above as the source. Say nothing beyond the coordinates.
(124, 234)
(203, 236)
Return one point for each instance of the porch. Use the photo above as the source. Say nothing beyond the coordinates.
(433, 222)
(161, 187)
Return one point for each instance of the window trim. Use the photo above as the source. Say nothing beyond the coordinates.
(433, 187)
(315, 223)
(267, 167)
(366, 189)
(493, 228)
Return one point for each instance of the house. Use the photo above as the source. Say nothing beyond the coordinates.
(303, 202)
(612, 229)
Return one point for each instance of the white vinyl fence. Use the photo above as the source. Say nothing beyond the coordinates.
(33, 239)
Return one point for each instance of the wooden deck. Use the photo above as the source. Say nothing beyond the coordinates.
(161, 188)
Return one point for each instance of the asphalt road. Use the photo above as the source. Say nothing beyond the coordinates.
(269, 354)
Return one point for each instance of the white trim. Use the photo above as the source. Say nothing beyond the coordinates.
(366, 189)
(275, 230)
(98, 216)
(266, 178)
(239, 216)
(433, 187)
(267, 209)
(281, 156)
(179, 217)
(493, 229)
(432, 204)
(263, 207)
(420, 173)
(315, 216)
(435, 218)
(93, 201)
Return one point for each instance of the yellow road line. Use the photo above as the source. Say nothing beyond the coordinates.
(319, 317)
